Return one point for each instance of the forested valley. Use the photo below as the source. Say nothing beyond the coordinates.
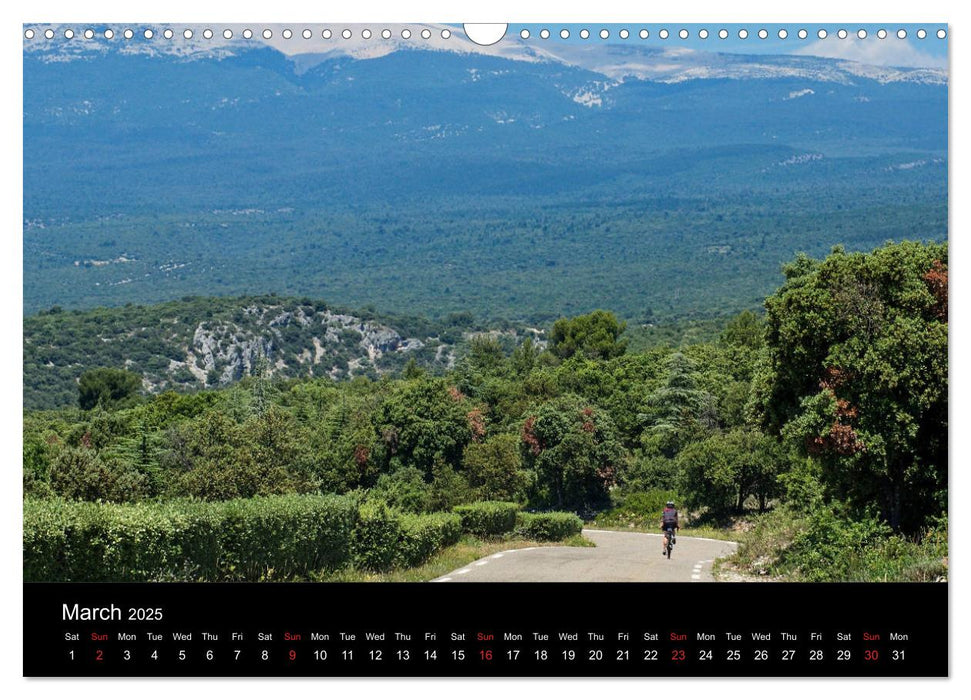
(813, 431)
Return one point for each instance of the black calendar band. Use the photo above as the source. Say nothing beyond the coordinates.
(482, 630)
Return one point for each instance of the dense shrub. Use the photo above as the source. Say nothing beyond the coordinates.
(824, 545)
(637, 509)
(488, 518)
(385, 539)
(423, 535)
(252, 539)
(80, 473)
(548, 526)
(284, 536)
(374, 542)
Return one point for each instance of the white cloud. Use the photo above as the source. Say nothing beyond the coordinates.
(873, 51)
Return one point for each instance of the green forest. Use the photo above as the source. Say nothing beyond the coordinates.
(814, 432)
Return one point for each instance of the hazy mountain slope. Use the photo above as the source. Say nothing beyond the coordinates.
(525, 186)
(200, 343)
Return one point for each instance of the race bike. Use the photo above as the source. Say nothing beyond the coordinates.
(668, 540)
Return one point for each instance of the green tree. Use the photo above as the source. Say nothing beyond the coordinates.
(108, 387)
(721, 472)
(855, 375)
(421, 420)
(573, 451)
(595, 335)
(678, 411)
(494, 468)
(745, 330)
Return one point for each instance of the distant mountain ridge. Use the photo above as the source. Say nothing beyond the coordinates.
(507, 182)
(615, 61)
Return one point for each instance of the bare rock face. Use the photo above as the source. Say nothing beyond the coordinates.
(262, 339)
(377, 340)
(231, 350)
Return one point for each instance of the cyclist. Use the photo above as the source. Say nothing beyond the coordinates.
(669, 524)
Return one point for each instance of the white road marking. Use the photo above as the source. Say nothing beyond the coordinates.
(481, 563)
(442, 580)
(463, 571)
(496, 556)
(695, 577)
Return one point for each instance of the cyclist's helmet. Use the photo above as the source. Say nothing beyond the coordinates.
(669, 504)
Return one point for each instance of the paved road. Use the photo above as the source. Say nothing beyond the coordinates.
(618, 556)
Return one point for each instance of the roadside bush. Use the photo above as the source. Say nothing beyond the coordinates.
(824, 545)
(423, 535)
(283, 536)
(251, 539)
(548, 527)
(375, 540)
(488, 518)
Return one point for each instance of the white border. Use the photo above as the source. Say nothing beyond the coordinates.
(451, 11)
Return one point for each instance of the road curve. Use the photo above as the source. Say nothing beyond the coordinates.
(618, 556)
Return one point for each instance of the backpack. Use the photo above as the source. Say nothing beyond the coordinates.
(669, 516)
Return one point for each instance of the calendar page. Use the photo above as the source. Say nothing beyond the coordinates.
(485, 350)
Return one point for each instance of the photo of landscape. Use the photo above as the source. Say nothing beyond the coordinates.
(347, 303)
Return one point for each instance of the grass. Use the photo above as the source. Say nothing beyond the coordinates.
(467, 550)
(787, 545)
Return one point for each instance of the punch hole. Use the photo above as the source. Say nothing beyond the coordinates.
(485, 34)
